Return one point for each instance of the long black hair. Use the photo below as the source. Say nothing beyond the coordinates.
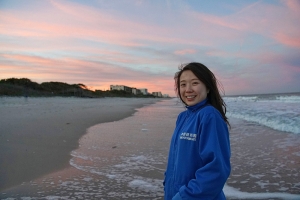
(209, 80)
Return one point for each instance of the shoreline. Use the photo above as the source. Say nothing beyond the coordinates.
(37, 135)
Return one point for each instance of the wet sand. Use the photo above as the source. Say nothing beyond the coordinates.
(38, 134)
(265, 162)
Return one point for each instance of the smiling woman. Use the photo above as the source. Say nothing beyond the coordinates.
(204, 83)
(199, 157)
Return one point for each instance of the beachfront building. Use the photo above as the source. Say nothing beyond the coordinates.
(144, 91)
(136, 91)
(121, 87)
(157, 94)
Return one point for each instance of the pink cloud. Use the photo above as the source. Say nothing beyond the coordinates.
(218, 53)
(293, 5)
(69, 19)
(185, 51)
(273, 21)
(288, 40)
(75, 26)
(28, 59)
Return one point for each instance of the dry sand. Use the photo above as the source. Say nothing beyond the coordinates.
(38, 134)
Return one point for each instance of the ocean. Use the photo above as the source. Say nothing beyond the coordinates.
(277, 111)
(126, 159)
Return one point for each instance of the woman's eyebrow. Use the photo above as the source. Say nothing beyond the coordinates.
(194, 79)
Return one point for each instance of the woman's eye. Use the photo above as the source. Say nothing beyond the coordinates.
(182, 85)
(195, 83)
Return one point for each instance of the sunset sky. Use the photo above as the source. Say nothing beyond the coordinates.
(251, 46)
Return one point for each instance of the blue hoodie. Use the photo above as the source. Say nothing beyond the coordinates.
(199, 157)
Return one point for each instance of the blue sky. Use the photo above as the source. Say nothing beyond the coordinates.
(251, 46)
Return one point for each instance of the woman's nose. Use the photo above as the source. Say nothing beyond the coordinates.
(189, 88)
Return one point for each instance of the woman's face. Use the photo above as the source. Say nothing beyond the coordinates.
(192, 90)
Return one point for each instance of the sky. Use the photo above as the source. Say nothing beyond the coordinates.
(252, 47)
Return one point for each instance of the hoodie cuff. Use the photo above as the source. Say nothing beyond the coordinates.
(177, 197)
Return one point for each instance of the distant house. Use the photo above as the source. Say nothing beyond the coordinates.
(144, 91)
(121, 87)
(136, 91)
(157, 94)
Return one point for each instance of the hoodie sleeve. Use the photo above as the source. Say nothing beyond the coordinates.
(214, 153)
(179, 118)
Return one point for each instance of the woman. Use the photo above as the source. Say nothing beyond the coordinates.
(199, 157)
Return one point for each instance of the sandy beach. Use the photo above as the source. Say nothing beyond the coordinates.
(126, 159)
(38, 134)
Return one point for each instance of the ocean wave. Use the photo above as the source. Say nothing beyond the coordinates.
(277, 111)
(284, 98)
(278, 123)
(240, 98)
(289, 99)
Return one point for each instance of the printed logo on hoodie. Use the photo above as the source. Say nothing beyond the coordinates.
(188, 136)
